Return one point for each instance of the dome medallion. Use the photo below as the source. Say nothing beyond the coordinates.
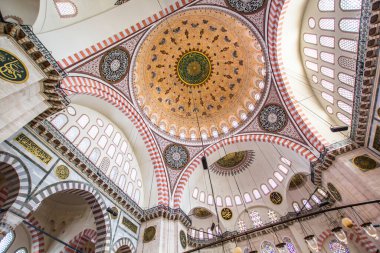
(208, 67)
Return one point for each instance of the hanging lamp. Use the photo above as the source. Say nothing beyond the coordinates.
(340, 234)
(238, 250)
(282, 248)
(370, 230)
(312, 243)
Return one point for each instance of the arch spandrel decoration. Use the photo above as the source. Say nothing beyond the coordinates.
(91, 196)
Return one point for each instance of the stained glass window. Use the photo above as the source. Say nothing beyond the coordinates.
(83, 120)
(94, 156)
(296, 207)
(247, 197)
(109, 130)
(265, 189)
(66, 8)
(6, 242)
(133, 174)
(272, 183)
(310, 38)
(315, 199)
(241, 225)
(349, 5)
(310, 52)
(255, 218)
(72, 133)
(349, 25)
(327, 41)
(327, 57)
(228, 201)
(272, 215)
(219, 201)
(122, 182)
(344, 118)
(278, 176)
(202, 197)
(286, 161)
(256, 194)
(238, 200)
(113, 174)
(209, 233)
(289, 245)
(327, 24)
(283, 169)
(326, 5)
(93, 132)
(267, 247)
(337, 247)
(59, 121)
(210, 200)
(306, 204)
(84, 145)
(21, 250)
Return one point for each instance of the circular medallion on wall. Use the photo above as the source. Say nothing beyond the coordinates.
(12, 68)
(276, 198)
(62, 172)
(365, 163)
(201, 212)
(245, 6)
(115, 212)
(176, 156)
(114, 65)
(273, 118)
(233, 163)
(149, 234)
(226, 213)
(334, 192)
(182, 238)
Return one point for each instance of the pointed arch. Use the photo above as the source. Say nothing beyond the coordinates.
(80, 239)
(38, 243)
(124, 245)
(91, 196)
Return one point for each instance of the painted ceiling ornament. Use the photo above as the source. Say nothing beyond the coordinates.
(226, 213)
(182, 238)
(62, 172)
(114, 65)
(297, 181)
(208, 66)
(245, 6)
(201, 212)
(176, 156)
(273, 118)
(334, 192)
(149, 234)
(12, 69)
(276, 198)
(233, 163)
(365, 163)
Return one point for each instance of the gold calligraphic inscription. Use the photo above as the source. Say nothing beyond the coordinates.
(12, 69)
(129, 224)
(276, 198)
(33, 148)
(226, 213)
(149, 234)
(182, 238)
(62, 172)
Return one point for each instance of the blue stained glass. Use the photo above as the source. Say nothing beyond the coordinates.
(290, 245)
(267, 247)
(337, 247)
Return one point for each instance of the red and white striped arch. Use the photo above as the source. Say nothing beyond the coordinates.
(355, 235)
(83, 85)
(87, 52)
(277, 11)
(282, 141)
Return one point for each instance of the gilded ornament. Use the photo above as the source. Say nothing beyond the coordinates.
(62, 172)
(365, 163)
(194, 68)
(33, 148)
(12, 69)
(276, 198)
(297, 181)
(182, 238)
(201, 212)
(273, 118)
(334, 192)
(176, 156)
(149, 234)
(129, 224)
(233, 163)
(226, 213)
(114, 65)
(246, 6)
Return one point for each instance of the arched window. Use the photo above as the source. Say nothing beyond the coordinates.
(327, 72)
(310, 52)
(267, 247)
(130, 189)
(210, 200)
(209, 233)
(94, 156)
(327, 41)
(126, 167)
(84, 144)
(343, 118)
(337, 247)
(117, 139)
(113, 174)
(133, 174)
(241, 225)
(122, 181)
(218, 231)
(306, 204)
(350, 5)
(327, 24)
(286, 161)
(326, 5)
(137, 196)
(296, 207)
(195, 193)
(255, 218)
(104, 164)
(256, 194)
(272, 215)
(265, 189)
(315, 199)
(346, 79)
(102, 142)
(21, 250)
(278, 176)
(6, 242)
(83, 120)
(289, 245)
(219, 201)
(272, 183)
(322, 192)
(327, 97)
(119, 159)
(310, 38)
(66, 8)
(72, 133)
(345, 107)
(247, 197)
(327, 57)
(238, 200)
(312, 66)
(202, 197)
(201, 234)
(60, 121)
(346, 94)
(327, 85)
(193, 233)
(109, 130)
(349, 25)
(124, 147)
(111, 151)
(283, 169)
(348, 45)
(228, 201)
(93, 132)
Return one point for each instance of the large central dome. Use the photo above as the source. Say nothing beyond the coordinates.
(203, 63)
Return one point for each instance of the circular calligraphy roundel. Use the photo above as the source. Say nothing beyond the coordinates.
(12, 69)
